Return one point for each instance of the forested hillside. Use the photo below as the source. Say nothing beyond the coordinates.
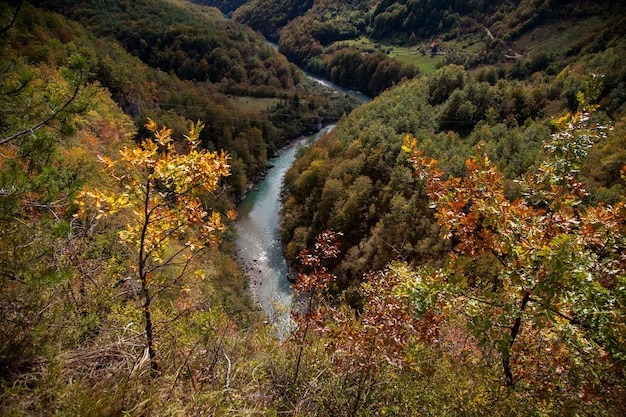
(460, 241)
(490, 193)
(80, 83)
(192, 68)
(226, 6)
(401, 38)
(357, 180)
(270, 17)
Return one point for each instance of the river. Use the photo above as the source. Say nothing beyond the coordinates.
(259, 248)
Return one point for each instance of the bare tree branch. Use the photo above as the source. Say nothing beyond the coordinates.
(12, 22)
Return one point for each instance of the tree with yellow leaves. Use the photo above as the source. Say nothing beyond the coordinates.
(159, 191)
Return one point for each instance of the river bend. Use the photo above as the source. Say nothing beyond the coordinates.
(259, 248)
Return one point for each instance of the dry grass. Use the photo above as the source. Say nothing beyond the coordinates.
(96, 362)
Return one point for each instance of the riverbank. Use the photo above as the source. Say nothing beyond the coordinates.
(259, 248)
(254, 184)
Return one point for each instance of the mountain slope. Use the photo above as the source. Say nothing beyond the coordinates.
(358, 182)
(198, 64)
(426, 34)
(226, 6)
(533, 325)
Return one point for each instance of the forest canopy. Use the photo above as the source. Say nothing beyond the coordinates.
(423, 35)
(488, 207)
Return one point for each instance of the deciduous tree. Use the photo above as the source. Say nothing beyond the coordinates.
(159, 193)
(312, 288)
(555, 301)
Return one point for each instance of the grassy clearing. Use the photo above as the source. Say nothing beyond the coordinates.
(416, 55)
(427, 63)
(419, 54)
(253, 104)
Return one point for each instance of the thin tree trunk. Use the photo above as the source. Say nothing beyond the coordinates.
(143, 275)
(359, 394)
(515, 330)
(302, 341)
(297, 370)
(149, 336)
(13, 19)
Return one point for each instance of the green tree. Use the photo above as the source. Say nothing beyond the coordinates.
(44, 110)
(23, 92)
(160, 192)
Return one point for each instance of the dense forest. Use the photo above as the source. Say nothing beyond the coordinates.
(226, 6)
(358, 181)
(398, 39)
(478, 181)
(459, 241)
(193, 70)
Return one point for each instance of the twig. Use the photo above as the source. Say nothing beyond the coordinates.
(12, 22)
(228, 371)
(48, 119)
